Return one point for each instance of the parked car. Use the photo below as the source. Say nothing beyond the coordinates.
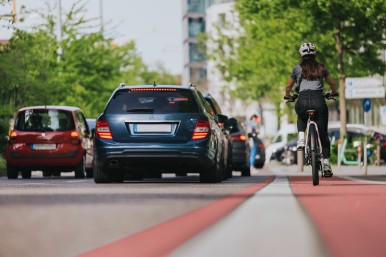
(52, 139)
(215, 108)
(154, 129)
(287, 133)
(240, 148)
(359, 130)
(286, 154)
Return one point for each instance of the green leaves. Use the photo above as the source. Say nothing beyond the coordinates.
(90, 67)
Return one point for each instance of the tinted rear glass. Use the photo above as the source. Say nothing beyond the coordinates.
(44, 120)
(148, 101)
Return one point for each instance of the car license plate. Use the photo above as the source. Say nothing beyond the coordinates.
(43, 146)
(152, 128)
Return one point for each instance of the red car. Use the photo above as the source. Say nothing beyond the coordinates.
(52, 139)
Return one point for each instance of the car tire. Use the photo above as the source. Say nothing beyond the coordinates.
(212, 174)
(26, 174)
(12, 172)
(80, 170)
(246, 172)
(101, 175)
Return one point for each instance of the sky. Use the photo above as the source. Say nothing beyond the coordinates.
(155, 26)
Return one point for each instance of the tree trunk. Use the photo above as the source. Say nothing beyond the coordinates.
(342, 82)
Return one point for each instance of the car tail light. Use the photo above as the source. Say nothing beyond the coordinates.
(102, 130)
(13, 135)
(262, 146)
(201, 130)
(384, 143)
(75, 139)
(240, 137)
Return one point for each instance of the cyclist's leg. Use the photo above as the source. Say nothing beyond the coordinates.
(322, 122)
(301, 108)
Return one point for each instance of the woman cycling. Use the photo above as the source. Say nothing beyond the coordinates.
(308, 75)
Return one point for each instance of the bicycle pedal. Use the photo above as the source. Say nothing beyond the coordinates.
(327, 175)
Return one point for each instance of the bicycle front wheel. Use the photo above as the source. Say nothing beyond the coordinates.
(314, 164)
(314, 158)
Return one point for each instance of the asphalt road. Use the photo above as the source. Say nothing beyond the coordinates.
(276, 212)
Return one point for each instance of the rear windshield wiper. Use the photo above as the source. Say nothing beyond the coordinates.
(149, 110)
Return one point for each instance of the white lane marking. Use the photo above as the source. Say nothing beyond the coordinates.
(271, 223)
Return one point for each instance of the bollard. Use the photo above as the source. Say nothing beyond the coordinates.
(378, 154)
(359, 155)
(339, 153)
(365, 156)
(300, 157)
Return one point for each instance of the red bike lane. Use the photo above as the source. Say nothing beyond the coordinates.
(350, 215)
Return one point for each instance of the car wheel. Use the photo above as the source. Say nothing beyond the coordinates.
(101, 175)
(246, 172)
(80, 170)
(212, 174)
(12, 172)
(26, 174)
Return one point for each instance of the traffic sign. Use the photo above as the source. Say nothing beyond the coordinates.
(360, 93)
(366, 87)
(366, 103)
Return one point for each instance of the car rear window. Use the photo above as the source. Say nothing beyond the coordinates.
(157, 101)
(44, 120)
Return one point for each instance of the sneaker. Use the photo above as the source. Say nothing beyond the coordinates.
(327, 173)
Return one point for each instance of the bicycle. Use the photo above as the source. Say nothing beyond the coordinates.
(313, 146)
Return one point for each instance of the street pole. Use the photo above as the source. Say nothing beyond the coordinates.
(60, 33)
(101, 14)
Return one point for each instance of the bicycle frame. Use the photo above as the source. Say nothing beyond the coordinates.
(309, 147)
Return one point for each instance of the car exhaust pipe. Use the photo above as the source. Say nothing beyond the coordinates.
(113, 163)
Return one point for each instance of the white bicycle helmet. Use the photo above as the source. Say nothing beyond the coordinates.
(307, 48)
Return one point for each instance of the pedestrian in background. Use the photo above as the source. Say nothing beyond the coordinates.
(253, 130)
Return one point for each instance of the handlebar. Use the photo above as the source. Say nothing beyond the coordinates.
(327, 96)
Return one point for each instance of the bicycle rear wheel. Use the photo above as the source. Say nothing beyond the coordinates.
(314, 158)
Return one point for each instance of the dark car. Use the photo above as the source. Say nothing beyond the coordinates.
(240, 148)
(215, 108)
(286, 154)
(157, 129)
(52, 139)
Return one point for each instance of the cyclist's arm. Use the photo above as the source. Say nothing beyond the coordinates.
(331, 82)
(288, 88)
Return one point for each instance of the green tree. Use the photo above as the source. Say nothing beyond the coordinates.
(348, 34)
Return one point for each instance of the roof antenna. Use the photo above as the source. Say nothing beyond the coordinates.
(154, 84)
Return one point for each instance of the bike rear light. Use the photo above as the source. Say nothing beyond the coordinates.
(152, 89)
(239, 137)
(201, 130)
(102, 130)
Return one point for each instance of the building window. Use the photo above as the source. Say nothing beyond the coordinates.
(196, 26)
(195, 53)
(196, 6)
(197, 75)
